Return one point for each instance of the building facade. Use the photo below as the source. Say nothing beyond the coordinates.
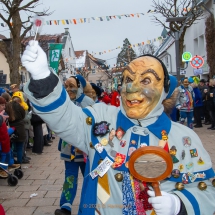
(194, 42)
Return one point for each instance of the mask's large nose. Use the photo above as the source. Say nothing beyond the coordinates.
(132, 88)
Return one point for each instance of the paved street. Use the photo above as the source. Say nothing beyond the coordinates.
(44, 176)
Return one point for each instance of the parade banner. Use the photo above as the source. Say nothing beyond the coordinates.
(55, 50)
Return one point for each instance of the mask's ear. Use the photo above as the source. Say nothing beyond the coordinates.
(173, 85)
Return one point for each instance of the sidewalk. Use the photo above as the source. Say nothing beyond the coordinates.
(44, 176)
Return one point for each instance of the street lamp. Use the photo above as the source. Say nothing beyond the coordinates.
(202, 4)
(176, 33)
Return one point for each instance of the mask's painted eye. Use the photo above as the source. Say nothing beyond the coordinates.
(128, 80)
(146, 81)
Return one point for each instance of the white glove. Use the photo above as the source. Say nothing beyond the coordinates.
(167, 204)
(34, 59)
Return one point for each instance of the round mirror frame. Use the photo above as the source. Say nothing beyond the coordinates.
(150, 150)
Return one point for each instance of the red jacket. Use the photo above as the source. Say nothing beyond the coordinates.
(4, 138)
(115, 99)
(2, 210)
(106, 99)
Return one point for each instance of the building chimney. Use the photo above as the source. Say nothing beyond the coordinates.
(66, 30)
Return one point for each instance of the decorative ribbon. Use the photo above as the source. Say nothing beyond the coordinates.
(128, 201)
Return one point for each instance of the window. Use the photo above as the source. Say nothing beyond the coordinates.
(201, 47)
(195, 46)
(93, 71)
(1, 71)
(167, 61)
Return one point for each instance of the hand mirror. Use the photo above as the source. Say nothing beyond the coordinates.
(151, 164)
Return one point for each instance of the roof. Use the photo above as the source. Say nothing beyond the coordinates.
(44, 40)
(165, 45)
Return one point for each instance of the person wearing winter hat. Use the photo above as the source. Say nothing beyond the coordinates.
(139, 119)
(96, 91)
(18, 97)
(184, 102)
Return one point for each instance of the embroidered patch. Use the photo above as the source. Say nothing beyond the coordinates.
(99, 148)
(200, 161)
(120, 133)
(189, 165)
(173, 152)
(101, 129)
(193, 153)
(186, 141)
(185, 178)
(119, 160)
(122, 143)
(131, 150)
(181, 167)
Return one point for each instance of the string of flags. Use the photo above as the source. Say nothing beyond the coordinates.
(130, 46)
(88, 20)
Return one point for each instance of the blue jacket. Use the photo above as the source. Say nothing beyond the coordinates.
(198, 97)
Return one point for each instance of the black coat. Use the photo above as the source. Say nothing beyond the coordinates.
(18, 123)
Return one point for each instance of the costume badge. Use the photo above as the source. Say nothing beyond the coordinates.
(181, 167)
(119, 160)
(131, 150)
(104, 141)
(183, 154)
(120, 133)
(193, 153)
(111, 136)
(101, 129)
(175, 173)
(133, 142)
(192, 177)
(122, 143)
(173, 152)
(200, 161)
(185, 178)
(200, 175)
(99, 148)
(186, 141)
(189, 165)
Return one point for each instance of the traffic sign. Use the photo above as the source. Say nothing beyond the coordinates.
(186, 57)
(197, 62)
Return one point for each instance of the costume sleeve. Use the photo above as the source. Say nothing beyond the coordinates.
(56, 109)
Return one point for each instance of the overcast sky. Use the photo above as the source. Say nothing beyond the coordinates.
(99, 36)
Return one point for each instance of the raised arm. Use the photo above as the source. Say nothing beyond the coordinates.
(50, 100)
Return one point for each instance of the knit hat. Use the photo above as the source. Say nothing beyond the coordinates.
(20, 95)
(82, 80)
(2, 91)
(2, 100)
(202, 80)
(190, 80)
(97, 89)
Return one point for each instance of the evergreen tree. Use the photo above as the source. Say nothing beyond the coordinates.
(127, 54)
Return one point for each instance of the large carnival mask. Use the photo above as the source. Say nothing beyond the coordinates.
(88, 90)
(71, 87)
(143, 83)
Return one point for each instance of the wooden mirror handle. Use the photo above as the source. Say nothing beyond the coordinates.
(156, 188)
